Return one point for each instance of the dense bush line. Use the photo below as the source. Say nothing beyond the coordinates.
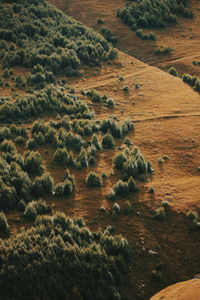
(193, 81)
(153, 13)
(35, 32)
(50, 100)
(132, 165)
(60, 258)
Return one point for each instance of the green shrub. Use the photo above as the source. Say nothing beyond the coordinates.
(61, 157)
(64, 188)
(192, 215)
(43, 185)
(33, 163)
(4, 227)
(132, 187)
(111, 195)
(153, 13)
(173, 72)
(108, 35)
(61, 247)
(121, 187)
(151, 190)
(126, 89)
(52, 40)
(116, 208)
(108, 141)
(163, 51)
(197, 85)
(128, 207)
(159, 213)
(93, 180)
(35, 208)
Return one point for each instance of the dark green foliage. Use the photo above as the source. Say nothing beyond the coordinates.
(117, 130)
(64, 188)
(33, 163)
(4, 227)
(108, 141)
(121, 187)
(43, 35)
(132, 165)
(95, 142)
(94, 180)
(173, 72)
(51, 100)
(111, 195)
(43, 185)
(196, 63)
(126, 89)
(192, 215)
(8, 146)
(197, 85)
(159, 213)
(5, 133)
(144, 36)
(132, 187)
(116, 208)
(153, 13)
(6, 73)
(193, 81)
(15, 184)
(61, 157)
(163, 51)
(108, 35)
(128, 207)
(59, 254)
(35, 208)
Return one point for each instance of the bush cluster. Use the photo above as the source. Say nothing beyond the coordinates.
(131, 162)
(163, 50)
(36, 208)
(94, 180)
(193, 81)
(41, 34)
(64, 260)
(153, 13)
(146, 36)
(51, 100)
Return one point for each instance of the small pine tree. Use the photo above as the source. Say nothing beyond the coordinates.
(94, 180)
(108, 141)
(4, 227)
(173, 72)
(132, 187)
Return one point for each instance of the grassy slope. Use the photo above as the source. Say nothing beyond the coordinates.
(168, 125)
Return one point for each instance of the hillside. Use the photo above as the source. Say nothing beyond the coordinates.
(183, 38)
(180, 291)
(119, 118)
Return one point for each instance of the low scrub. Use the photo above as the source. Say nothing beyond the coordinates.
(80, 264)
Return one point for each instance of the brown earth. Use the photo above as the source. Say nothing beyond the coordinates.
(180, 291)
(166, 113)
